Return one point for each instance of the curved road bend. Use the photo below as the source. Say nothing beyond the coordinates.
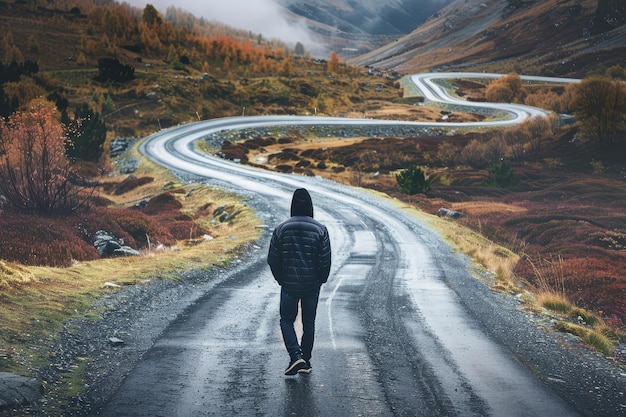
(396, 333)
(433, 91)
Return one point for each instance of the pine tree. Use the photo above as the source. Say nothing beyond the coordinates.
(501, 175)
(85, 135)
(413, 181)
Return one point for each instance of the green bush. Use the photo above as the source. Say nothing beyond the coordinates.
(501, 175)
(413, 181)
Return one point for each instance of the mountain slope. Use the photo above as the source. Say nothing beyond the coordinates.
(549, 37)
(361, 25)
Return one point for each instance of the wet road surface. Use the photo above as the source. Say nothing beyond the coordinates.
(394, 336)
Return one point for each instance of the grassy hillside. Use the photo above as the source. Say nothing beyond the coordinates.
(180, 75)
(554, 37)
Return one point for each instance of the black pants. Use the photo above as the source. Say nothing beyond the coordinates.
(288, 313)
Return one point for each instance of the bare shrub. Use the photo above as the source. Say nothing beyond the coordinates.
(600, 108)
(447, 153)
(35, 174)
(517, 142)
(480, 154)
(538, 129)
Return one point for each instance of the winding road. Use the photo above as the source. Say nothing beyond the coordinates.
(403, 326)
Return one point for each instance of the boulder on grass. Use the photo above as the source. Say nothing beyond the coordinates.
(108, 247)
(444, 212)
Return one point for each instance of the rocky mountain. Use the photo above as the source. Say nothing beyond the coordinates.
(358, 26)
(559, 37)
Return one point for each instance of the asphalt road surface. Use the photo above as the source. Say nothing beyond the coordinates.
(392, 337)
(403, 327)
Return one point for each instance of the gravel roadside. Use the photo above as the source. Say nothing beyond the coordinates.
(133, 317)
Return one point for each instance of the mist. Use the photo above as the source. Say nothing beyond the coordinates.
(258, 16)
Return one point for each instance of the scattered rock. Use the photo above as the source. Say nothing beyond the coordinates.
(125, 251)
(141, 204)
(120, 145)
(444, 212)
(108, 246)
(218, 210)
(16, 390)
(105, 244)
(222, 215)
(127, 166)
(115, 341)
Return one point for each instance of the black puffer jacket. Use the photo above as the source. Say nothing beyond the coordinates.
(299, 254)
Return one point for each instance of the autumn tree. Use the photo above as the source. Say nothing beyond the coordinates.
(616, 72)
(11, 51)
(600, 107)
(333, 62)
(479, 154)
(507, 89)
(33, 44)
(537, 130)
(35, 174)
(12, 92)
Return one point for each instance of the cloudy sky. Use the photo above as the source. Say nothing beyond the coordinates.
(258, 16)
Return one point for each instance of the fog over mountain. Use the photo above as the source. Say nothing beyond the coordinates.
(259, 16)
(373, 17)
(321, 25)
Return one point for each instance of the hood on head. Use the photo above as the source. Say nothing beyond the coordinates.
(301, 204)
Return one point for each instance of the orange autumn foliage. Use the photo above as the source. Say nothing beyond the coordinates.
(35, 174)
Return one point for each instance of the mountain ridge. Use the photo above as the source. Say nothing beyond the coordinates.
(348, 25)
(555, 37)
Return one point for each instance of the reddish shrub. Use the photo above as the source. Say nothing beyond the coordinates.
(99, 201)
(284, 168)
(136, 228)
(162, 204)
(185, 229)
(234, 152)
(38, 240)
(261, 141)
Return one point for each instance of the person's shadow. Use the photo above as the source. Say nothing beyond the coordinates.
(299, 397)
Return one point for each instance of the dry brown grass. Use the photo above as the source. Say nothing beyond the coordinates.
(483, 208)
(594, 338)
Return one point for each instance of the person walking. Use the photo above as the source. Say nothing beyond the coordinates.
(299, 258)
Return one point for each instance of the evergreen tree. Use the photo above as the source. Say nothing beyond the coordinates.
(151, 16)
(413, 181)
(299, 49)
(85, 135)
(501, 175)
